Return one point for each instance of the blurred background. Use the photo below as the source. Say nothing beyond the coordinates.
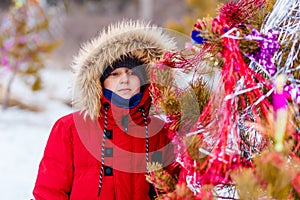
(76, 21)
(38, 39)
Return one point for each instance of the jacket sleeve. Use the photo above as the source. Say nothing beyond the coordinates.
(55, 174)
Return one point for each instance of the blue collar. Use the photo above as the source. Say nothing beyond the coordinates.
(120, 101)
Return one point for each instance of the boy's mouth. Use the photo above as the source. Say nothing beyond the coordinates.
(124, 90)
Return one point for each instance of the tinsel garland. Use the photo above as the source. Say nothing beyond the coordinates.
(249, 127)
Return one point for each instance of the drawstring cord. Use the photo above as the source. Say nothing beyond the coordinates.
(106, 106)
(141, 109)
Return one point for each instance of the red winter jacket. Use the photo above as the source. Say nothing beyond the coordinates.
(70, 167)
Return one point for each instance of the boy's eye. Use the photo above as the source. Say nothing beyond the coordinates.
(114, 74)
(121, 73)
(130, 73)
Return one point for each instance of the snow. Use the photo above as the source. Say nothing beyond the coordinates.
(23, 134)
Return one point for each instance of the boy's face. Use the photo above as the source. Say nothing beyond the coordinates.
(123, 82)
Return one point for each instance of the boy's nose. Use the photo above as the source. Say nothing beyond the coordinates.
(124, 78)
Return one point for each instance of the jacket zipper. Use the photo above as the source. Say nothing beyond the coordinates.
(125, 123)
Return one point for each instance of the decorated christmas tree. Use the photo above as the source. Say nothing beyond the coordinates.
(25, 43)
(237, 138)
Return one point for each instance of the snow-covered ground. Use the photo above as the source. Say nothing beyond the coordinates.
(23, 134)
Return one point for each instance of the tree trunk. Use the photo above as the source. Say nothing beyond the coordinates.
(6, 96)
(146, 9)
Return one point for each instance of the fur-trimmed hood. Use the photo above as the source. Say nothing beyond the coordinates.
(141, 40)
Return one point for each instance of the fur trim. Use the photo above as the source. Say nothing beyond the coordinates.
(142, 40)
